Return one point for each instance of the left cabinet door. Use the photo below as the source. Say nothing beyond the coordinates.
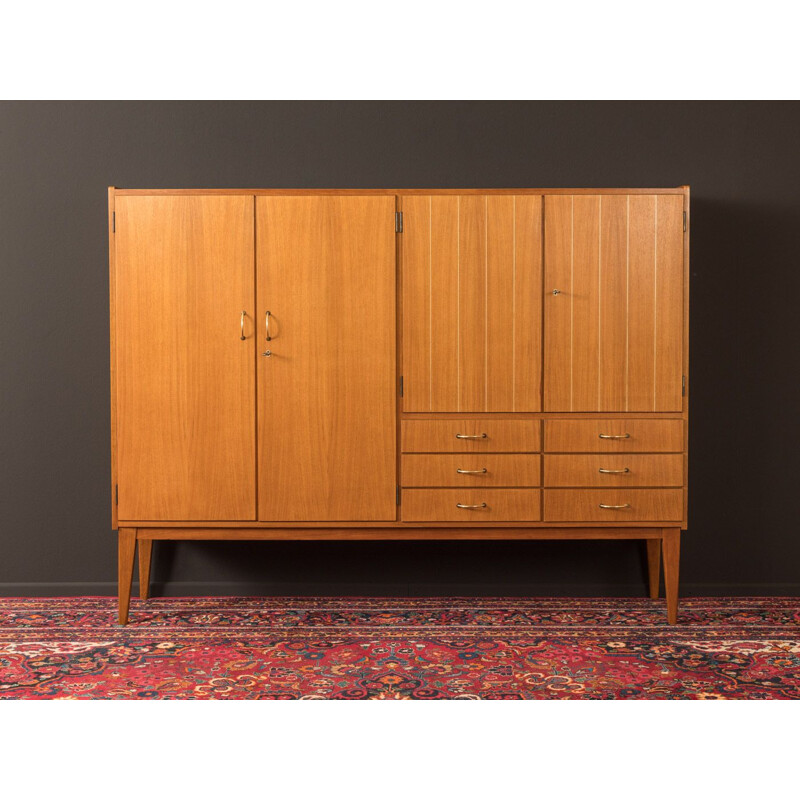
(185, 378)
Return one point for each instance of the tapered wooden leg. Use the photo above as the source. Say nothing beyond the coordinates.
(671, 544)
(127, 551)
(654, 565)
(145, 557)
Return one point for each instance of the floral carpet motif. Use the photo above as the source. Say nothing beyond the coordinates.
(403, 648)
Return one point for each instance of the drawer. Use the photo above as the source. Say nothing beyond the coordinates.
(632, 435)
(614, 470)
(470, 469)
(493, 505)
(584, 505)
(490, 436)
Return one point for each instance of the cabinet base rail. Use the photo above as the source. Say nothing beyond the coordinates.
(660, 541)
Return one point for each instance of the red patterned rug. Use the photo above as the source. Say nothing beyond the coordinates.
(409, 648)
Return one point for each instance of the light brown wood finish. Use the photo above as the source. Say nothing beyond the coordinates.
(125, 558)
(677, 190)
(442, 505)
(441, 436)
(642, 470)
(671, 545)
(185, 382)
(584, 505)
(412, 531)
(654, 566)
(585, 436)
(112, 318)
(616, 263)
(145, 547)
(471, 278)
(483, 470)
(326, 395)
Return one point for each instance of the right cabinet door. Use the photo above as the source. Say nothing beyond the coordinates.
(614, 300)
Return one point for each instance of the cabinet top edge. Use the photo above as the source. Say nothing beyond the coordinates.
(400, 192)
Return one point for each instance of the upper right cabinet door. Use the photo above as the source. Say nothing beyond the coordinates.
(471, 295)
(613, 319)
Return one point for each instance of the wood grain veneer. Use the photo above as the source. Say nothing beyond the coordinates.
(326, 395)
(642, 470)
(442, 470)
(441, 505)
(441, 436)
(584, 436)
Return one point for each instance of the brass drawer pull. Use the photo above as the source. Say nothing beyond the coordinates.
(461, 505)
(266, 327)
(613, 471)
(471, 471)
(609, 436)
(244, 314)
(624, 505)
(470, 436)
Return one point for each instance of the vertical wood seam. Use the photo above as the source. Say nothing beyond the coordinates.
(255, 347)
(572, 305)
(655, 301)
(514, 303)
(599, 300)
(627, 296)
(486, 303)
(430, 303)
(458, 303)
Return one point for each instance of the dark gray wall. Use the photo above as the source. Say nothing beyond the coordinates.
(741, 160)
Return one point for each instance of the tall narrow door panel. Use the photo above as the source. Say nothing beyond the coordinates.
(613, 329)
(471, 303)
(185, 380)
(326, 391)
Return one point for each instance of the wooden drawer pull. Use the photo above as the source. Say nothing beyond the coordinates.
(624, 505)
(468, 436)
(461, 505)
(609, 436)
(471, 471)
(613, 471)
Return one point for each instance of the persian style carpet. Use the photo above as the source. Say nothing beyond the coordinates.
(410, 648)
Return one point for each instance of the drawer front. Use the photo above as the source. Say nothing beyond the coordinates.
(640, 505)
(614, 470)
(493, 505)
(471, 469)
(630, 436)
(490, 436)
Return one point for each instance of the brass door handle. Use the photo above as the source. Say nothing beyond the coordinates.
(470, 436)
(613, 471)
(610, 436)
(624, 505)
(244, 314)
(471, 471)
(266, 327)
(461, 505)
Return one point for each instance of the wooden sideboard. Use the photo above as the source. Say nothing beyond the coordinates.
(399, 364)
